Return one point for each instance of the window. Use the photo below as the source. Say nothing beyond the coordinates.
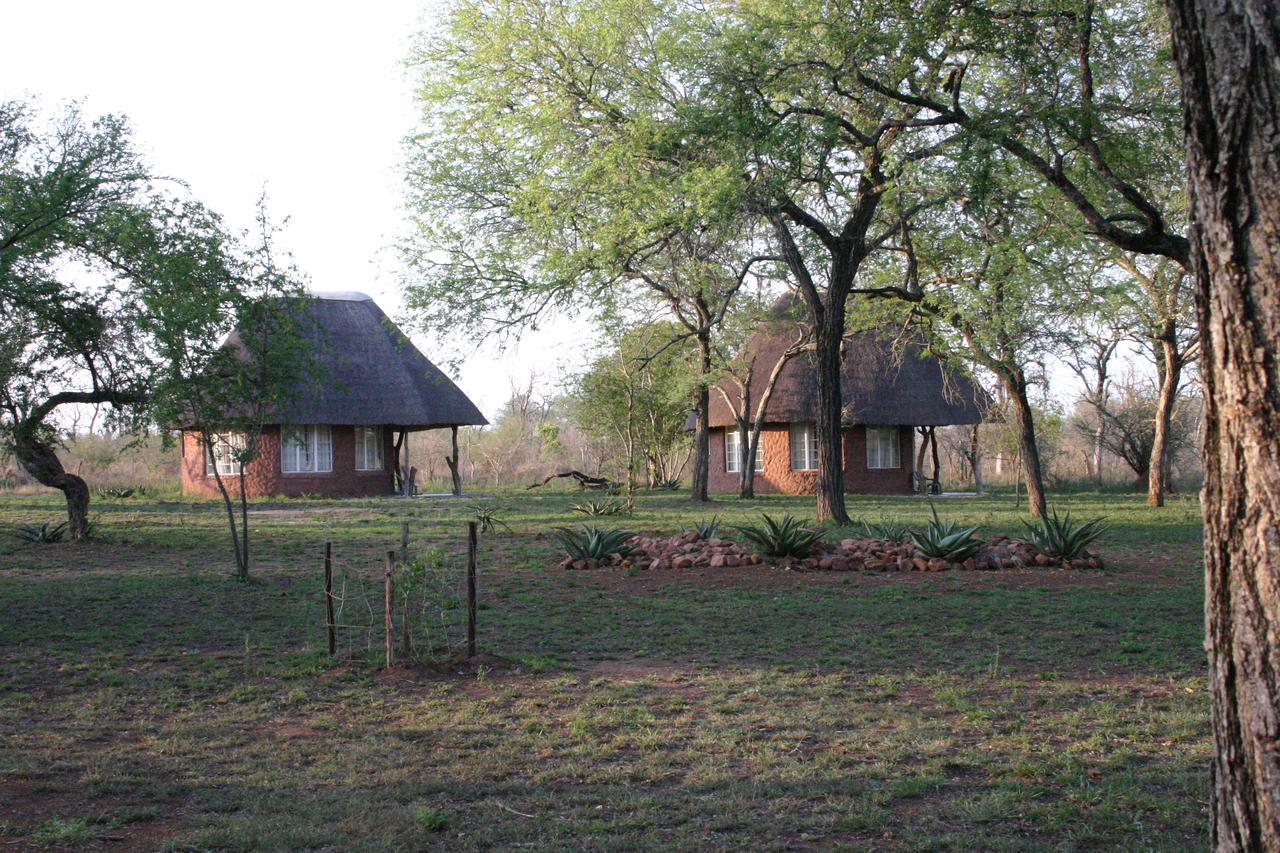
(306, 450)
(804, 447)
(884, 449)
(732, 453)
(368, 449)
(221, 454)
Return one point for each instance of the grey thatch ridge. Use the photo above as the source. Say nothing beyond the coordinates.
(368, 373)
(882, 384)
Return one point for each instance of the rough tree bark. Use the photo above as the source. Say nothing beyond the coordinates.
(828, 342)
(702, 428)
(1028, 451)
(1228, 55)
(40, 460)
(1170, 377)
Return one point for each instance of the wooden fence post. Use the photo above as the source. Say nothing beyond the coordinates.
(328, 598)
(390, 594)
(471, 589)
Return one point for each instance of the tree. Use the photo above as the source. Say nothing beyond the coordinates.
(742, 362)
(552, 172)
(1089, 353)
(1130, 434)
(638, 393)
(233, 357)
(1159, 308)
(92, 256)
(1228, 56)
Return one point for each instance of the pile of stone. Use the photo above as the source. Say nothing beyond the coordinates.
(689, 551)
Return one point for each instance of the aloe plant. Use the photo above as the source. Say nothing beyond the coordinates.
(1063, 538)
(597, 508)
(707, 529)
(41, 533)
(946, 540)
(594, 543)
(890, 531)
(785, 537)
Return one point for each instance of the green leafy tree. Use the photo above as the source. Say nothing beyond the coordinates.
(92, 257)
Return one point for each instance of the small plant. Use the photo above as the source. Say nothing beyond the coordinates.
(889, 531)
(707, 529)
(486, 517)
(594, 543)
(41, 534)
(597, 508)
(1063, 538)
(946, 540)
(431, 819)
(671, 484)
(785, 537)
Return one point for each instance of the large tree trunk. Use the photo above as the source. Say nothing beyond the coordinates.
(975, 458)
(1027, 447)
(1099, 449)
(1158, 469)
(828, 338)
(701, 427)
(1228, 54)
(452, 462)
(38, 459)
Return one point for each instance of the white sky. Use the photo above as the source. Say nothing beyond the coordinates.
(309, 100)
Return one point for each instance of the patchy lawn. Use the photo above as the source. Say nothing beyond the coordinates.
(147, 701)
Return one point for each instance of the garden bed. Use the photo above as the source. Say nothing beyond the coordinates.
(690, 551)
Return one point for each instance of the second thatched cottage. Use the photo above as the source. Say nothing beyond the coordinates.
(890, 391)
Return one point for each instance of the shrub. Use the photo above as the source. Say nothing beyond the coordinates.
(1063, 538)
(594, 543)
(431, 819)
(707, 529)
(946, 540)
(41, 534)
(785, 537)
(671, 484)
(890, 531)
(597, 508)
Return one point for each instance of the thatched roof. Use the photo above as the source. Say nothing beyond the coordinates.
(882, 384)
(369, 373)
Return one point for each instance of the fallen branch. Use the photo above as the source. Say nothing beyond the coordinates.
(584, 481)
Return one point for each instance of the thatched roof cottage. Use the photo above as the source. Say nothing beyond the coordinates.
(888, 390)
(340, 435)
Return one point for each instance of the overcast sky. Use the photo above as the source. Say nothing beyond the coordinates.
(307, 100)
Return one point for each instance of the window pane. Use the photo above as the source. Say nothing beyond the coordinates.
(731, 452)
(322, 448)
(804, 447)
(883, 449)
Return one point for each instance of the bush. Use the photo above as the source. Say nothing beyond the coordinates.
(946, 540)
(1063, 538)
(787, 537)
(594, 543)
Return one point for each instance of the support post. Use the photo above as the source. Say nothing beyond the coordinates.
(328, 599)
(388, 599)
(471, 589)
(406, 479)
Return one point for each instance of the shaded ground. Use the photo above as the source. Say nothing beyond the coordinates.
(148, 702)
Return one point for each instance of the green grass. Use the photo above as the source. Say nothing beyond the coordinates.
(148, 700)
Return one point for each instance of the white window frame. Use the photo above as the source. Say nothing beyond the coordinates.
(306, 449)
(732, 454)
(807, 436)
(369, 449)
(220, 454)
(884, 448)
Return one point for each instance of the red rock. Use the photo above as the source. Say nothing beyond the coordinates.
(970, 563)
(1043, 560)
(579, 565)
(920, 563)
(730, 561)
(824, 563)
(937, 564)
(904, 564)
(684, 562)
(839, 564)
(717, 561)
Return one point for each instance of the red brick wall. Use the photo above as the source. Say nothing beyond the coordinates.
(778, 478)
(263, 475)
